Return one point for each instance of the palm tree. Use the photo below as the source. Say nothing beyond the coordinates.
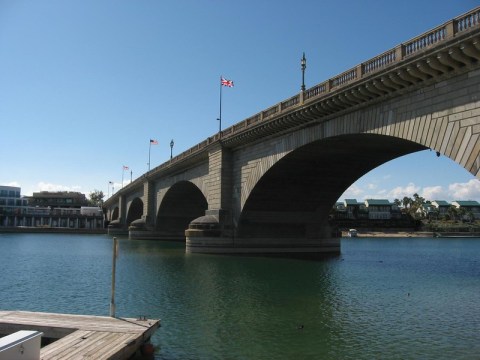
(452, 213)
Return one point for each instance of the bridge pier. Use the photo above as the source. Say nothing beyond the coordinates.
(213, 234)
(196, 243)
(116, 228)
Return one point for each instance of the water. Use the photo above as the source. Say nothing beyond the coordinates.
(382, 298)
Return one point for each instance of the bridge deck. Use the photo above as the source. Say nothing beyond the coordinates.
(82, 336)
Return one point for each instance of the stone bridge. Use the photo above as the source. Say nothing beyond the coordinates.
(267, 184)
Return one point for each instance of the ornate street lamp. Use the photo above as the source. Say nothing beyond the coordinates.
(303, 62)
(171, 148)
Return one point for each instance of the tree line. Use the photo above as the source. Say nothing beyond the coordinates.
(412, 205)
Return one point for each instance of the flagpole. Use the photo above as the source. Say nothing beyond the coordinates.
(123, 172)
(220, 118)
(149, 148)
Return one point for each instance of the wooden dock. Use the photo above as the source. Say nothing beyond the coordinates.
(82, 336)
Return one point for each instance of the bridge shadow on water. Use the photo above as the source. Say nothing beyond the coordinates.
(289, 256)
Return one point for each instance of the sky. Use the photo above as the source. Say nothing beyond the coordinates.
(85, 84)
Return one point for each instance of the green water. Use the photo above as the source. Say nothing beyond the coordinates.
(380, 299)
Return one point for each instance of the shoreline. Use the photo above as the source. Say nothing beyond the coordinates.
(393, 234)
(360, 233)
(411, 234)
(18, 229)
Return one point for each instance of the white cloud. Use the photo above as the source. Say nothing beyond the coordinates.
(434, 193)
(465, 191)
(42, 186)
(13, 183)
(400, 192)
(353, 191)
(372, 186)
(469, 190)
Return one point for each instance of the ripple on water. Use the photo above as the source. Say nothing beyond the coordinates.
(395, 299)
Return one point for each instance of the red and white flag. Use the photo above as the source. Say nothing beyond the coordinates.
(226, 82)
(125, 167)
(153, 142)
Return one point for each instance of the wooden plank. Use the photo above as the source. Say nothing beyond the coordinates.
(67, 321)
(120, 347)
(76, 343)
(82, 336)
(94, 343)
(69, 340)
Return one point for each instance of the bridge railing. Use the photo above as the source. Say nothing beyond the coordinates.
(389, 58)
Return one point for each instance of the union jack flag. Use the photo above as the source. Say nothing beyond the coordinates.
(125, 167)
(226, 82)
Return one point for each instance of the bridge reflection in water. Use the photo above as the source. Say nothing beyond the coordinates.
(267, 184)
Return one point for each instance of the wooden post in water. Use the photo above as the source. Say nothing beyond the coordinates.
(114, 263)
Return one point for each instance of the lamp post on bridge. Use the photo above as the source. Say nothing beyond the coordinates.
(171, 149)
(303, 63)
(108, 188)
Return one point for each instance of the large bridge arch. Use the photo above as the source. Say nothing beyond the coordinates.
(295, 195)
(135, 210)
(182, 203)
(443, 117)
(115, 213)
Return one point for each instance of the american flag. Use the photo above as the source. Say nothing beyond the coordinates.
(125, 167)
(226, 82)
(153, 142)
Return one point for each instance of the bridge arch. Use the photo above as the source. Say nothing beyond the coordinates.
(135, 210)
(440, 117)
(182, 203)
(115, 213)
(295, 194)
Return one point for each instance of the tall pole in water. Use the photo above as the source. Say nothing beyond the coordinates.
(114, 263)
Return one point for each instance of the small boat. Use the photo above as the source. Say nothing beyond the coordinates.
(352, 233)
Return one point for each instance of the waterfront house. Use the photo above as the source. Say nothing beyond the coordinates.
(442, 207)
(340, 211)
(428, 211)
(471, 208)
(355, 210)
(379, 209)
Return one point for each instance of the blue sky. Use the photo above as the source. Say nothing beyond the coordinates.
(84, 85)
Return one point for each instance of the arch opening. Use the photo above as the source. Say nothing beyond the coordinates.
(294, 197)
(135, 211)
(115, 214)
(182, 203)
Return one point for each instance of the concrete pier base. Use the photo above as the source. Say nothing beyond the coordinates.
(117, 231)
(153, 235)
(218, 245)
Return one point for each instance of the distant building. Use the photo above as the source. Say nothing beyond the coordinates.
(470, 206)
(379, 209)
(48, 209)
(442, 207)
(65, 199)
(428, 211)
(11, 202)
(373, 212)
(355, 210)
(340, 210)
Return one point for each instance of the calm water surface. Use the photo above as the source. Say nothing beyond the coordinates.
(381, 299)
